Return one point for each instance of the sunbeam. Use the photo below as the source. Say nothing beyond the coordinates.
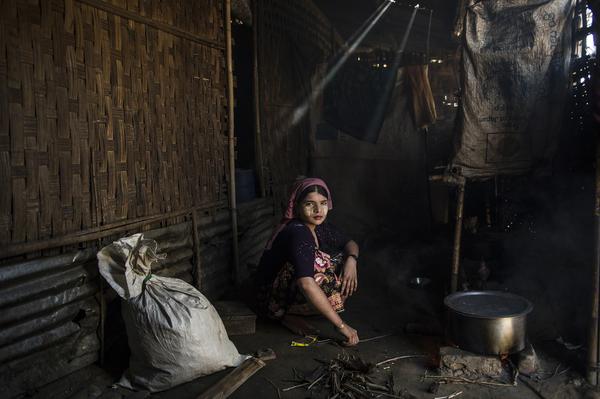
(348, 49)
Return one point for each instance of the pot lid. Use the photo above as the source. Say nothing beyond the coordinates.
(488, 304)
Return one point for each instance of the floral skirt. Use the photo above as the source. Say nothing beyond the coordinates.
(284, 297)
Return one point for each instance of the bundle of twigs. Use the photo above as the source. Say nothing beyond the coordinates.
(348, 376)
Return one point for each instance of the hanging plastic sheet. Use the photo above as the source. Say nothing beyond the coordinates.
(515, 64)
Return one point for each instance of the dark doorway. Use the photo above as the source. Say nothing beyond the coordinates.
(246, 180)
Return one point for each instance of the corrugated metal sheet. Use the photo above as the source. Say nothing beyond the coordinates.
(48, 319)
(49, 307)
(176, 242)
(256, 221)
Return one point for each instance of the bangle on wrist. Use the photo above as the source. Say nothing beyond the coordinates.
(352, 256)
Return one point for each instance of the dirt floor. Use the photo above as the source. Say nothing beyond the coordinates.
(409, 318)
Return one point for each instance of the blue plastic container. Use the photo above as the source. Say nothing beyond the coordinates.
(245, 185)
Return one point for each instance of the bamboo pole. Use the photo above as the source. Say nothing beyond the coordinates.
(197, 261)
(133, 16)
(460, 202)
(231, 143)
(94, 233)
(593, 355)
(460, 182)
(257, 119)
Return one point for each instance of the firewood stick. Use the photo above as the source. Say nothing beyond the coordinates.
(232, 381)
(274, 386)
(397, 358)
(468, 381)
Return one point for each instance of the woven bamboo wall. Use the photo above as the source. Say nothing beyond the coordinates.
(293, 39)
(108, 111)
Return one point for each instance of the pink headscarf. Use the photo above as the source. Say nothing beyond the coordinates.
(297, 188)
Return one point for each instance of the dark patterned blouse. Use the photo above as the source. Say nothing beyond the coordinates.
(295, 244)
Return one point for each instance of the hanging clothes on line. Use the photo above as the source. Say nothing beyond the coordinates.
(421, 97)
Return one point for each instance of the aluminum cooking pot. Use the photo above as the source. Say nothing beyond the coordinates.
(487, 322)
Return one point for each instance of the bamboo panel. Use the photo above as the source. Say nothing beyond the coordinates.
(109, 111)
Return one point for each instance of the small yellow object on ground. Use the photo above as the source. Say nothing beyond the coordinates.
(308, 341)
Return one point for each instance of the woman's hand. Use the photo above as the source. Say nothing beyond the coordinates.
(350, 334)
(349, 277)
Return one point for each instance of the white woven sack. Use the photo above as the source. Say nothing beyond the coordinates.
(174, 333)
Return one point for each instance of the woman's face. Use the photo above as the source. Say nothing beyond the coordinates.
(313, 209)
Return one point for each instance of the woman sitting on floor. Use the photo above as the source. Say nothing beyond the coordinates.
(297, 272)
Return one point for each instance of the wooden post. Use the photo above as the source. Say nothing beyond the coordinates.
(257, 120)
(460, 202)
(197, 274)
(459, 23)
(593, 355)
(231, 144)
(232, 381)
(460, 182)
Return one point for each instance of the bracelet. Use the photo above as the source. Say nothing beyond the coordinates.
(341, 326)
(352, 256)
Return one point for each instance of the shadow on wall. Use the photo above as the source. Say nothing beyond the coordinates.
(380, 187)
(376, 196)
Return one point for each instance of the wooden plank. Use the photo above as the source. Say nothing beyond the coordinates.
(237, 317)
(232, 381)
